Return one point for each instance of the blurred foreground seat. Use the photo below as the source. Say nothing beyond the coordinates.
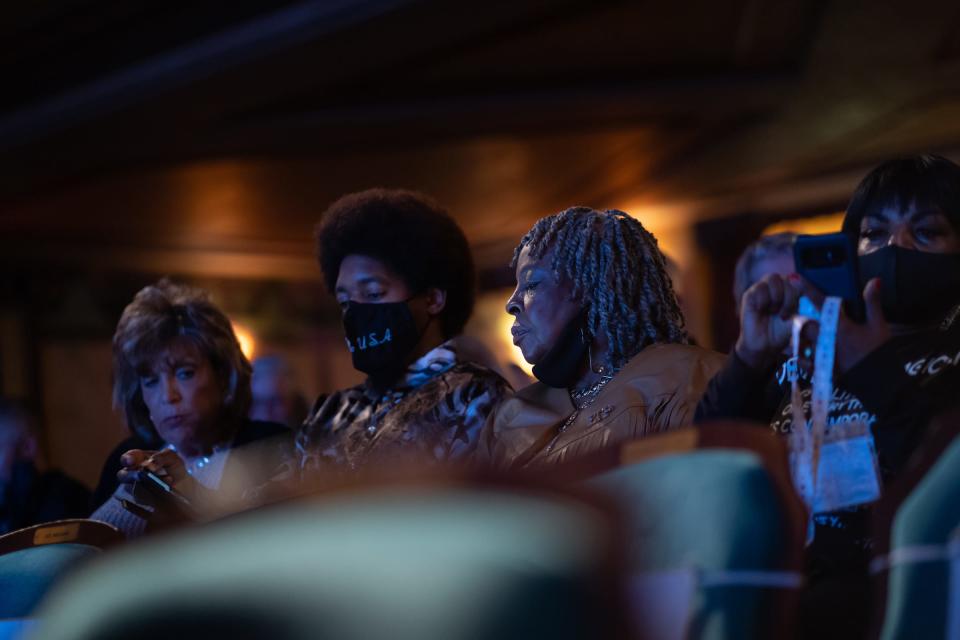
(917, 566)
(401, 562)
(715, 533)
(32, 560)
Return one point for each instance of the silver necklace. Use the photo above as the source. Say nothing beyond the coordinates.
(193, 465)
(582, 398)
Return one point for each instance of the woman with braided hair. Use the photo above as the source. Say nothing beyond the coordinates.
(596, 314)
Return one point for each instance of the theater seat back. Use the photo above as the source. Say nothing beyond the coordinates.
(394, 564)
(34, 559)
(709, 543)
(27, 575)
(923, 584)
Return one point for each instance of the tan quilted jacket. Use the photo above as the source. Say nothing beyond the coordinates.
(656, 391)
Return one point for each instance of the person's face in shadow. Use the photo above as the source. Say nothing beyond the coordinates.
(781, 264)
(542, 306)
(274, 398)
(369, 281)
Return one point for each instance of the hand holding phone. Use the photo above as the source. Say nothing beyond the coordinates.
(766, 314)
(157, 472)
(164, 489)
(856, 340)
(829, 263)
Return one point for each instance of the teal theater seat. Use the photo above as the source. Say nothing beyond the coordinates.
(713, 547)
(27, 575)
(34, 559)
(923, 563)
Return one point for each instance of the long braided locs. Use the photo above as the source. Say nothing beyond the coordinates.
(618, 273)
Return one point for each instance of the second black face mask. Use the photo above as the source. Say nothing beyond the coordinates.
(916, 287)
(380, 337)
(561, 365)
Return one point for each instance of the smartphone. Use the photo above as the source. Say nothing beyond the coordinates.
(164, 489)
(829, 262)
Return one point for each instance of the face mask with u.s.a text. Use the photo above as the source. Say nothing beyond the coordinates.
(380, 336)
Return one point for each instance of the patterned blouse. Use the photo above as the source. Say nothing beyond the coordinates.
(435, 414)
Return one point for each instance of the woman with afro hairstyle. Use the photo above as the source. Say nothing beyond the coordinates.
(596, 315)
(402, 271)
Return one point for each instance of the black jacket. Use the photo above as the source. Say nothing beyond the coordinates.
(896, 389)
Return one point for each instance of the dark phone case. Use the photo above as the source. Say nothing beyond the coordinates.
(164, 491)
(829, 262)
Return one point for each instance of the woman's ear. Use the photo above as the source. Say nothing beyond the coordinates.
(436, 301)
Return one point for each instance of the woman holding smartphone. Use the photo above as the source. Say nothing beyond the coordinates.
(183, 385)
(894, 370)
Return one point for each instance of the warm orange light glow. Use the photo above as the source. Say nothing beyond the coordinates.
(829, 223)
(491, 325)
(671, 225)
(506, 339)
(246, 339)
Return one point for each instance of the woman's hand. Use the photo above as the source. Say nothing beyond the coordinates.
(855, 341)
(766, 314)
(165, 464)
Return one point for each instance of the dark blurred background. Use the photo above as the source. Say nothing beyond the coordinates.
(202, 140)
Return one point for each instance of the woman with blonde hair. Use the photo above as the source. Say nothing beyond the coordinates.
(183, 384)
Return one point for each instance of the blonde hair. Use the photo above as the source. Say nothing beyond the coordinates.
(158, 315)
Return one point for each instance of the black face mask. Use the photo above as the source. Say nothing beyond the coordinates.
(916, 287)
(380, 337)
(561, 365)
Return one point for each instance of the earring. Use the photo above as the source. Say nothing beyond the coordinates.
(583, 338)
